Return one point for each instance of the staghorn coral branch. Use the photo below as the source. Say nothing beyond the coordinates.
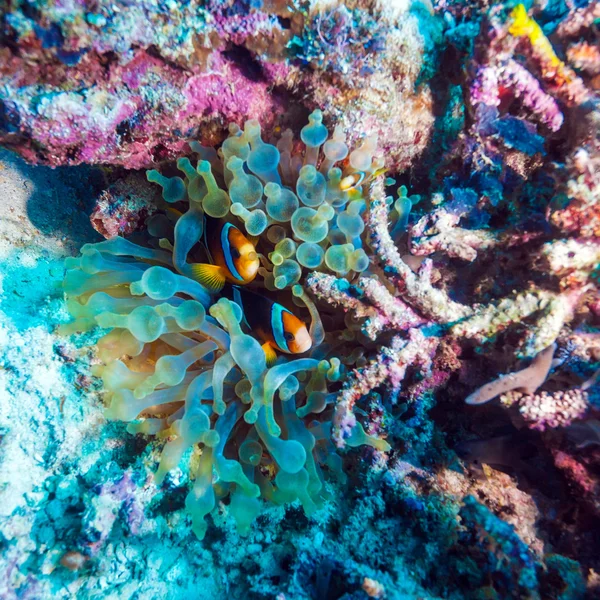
(510, 75)
(528, 380)
(367, 298)
(526, 87)
(338, 292)
(554, 309)
(389, 367)
(416, 289)
(393, 310)
(439, 232)
(546, 329)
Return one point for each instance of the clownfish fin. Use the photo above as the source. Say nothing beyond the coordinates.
(270, 354)
(378, 172)
(165, 244)
(210, 276)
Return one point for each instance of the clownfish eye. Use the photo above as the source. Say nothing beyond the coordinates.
(235, 253)
(289, 337)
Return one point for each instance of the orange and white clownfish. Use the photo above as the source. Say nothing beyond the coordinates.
(352, 181)
(274, 325)
(233, 256)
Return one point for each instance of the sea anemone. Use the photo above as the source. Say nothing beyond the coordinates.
(179, 362)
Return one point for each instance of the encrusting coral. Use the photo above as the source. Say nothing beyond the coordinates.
(127, 84)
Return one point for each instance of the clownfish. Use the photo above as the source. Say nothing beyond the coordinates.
(275, 326)
(233, 256)
(352, 181)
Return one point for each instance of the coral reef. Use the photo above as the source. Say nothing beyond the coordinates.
(123, 206)
(420, 417)
(128, 86)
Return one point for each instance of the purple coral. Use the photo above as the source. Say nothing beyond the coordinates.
(415, 288)
(388, 367)
(508, 77)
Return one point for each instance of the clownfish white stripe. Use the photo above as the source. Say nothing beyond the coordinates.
(277, 326)
(226, 247)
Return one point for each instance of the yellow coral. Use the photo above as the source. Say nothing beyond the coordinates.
(524, 26)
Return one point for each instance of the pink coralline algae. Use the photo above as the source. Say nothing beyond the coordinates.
(584, 482)
(145, 121)
(116, 83)
(127, 85)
